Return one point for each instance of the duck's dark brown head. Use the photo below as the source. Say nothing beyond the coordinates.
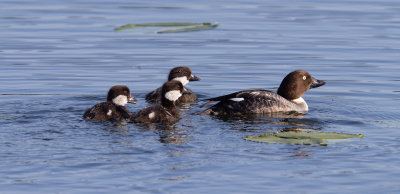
(182, 74)
(296, 83)
(120, 95)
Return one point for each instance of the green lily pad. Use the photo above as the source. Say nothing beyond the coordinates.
(301, 137)
(187, 27)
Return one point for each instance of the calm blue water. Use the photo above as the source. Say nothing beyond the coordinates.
(58, 58)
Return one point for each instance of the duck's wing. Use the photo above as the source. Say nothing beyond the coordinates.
(247, 102)
(125, 113)
(236, 96)
(100, 111)
(219, 98)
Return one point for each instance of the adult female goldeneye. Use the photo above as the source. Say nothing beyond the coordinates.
(287, 99)
(166, 112)
(114, 108)
(182, 74)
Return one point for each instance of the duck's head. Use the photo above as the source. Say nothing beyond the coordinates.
(120, 95)
(182, 74)
(171, 91)
(296, 83)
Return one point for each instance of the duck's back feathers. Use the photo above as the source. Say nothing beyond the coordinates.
(157, 114)
(154, 96)
(105, 111)
(187, 96)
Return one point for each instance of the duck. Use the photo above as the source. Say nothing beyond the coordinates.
(287, 99)
(114, 108)
(182, 74)
(166, 112)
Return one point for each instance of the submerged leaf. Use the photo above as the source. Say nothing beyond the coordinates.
(188, 27)
(301, 137)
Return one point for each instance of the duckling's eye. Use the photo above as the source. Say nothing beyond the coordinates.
(304, 77)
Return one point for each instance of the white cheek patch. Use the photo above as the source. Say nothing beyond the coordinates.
(173, 95)
(120, 100)
(236, 99)
(109, 112)
(184, 80)
(151, 115)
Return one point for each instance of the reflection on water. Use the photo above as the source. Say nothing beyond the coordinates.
(300, 152)
(272, 121)
(172, 137)
(168, 133)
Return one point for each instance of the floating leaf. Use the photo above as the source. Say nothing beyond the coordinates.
(315, 135)
(189, 27)
(301, 137)
(271, 138)
(164, 24)
(204, 26)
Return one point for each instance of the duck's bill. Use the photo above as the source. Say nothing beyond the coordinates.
(132, 100)
(194, 78)
(316, 83)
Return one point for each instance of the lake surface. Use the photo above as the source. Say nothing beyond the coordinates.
(58, 58)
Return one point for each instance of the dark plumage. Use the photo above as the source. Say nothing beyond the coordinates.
(288, 98)
(114, 108)
(105, 111)
(182, 74)
(166, 112)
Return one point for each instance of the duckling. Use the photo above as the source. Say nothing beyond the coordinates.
(166, 112)
(182, 74)
(114, 107)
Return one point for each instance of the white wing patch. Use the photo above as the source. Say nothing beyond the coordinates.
(109, 112)
(236, 99)
(120, 100)
(173, 95)
(151, 115)
(184, 80)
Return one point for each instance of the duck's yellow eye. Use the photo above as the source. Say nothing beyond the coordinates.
(304, 77)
